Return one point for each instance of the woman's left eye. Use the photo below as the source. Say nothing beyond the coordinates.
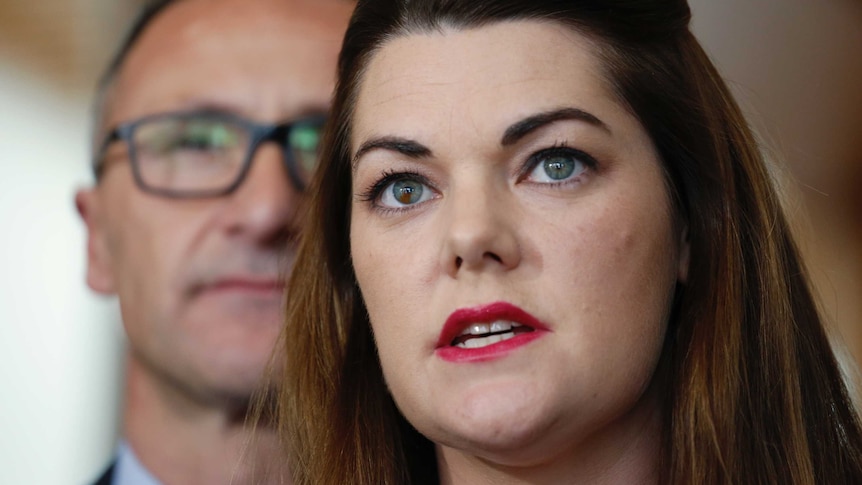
(404, 192)
(557, 164)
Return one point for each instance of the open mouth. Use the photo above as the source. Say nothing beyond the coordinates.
(479, 335)
(487, 332)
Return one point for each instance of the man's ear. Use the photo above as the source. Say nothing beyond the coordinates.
(684, 255)
(100, 276)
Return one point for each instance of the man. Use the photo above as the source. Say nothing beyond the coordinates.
(207, 125)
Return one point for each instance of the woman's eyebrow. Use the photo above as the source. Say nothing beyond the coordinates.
(404, 146)
(529, 124)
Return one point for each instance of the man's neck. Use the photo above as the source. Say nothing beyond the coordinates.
(194, 443)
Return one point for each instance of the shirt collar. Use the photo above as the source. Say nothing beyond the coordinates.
(130, 471)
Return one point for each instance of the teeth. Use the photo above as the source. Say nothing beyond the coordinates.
(479, 335)
(475, 343)
(483, 328)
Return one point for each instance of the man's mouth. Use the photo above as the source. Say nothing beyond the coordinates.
(247, 284)
(251, 286)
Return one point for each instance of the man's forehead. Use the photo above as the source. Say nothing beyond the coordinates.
(200, 49)
(198, 17)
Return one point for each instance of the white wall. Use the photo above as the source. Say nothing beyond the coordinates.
(59, 344)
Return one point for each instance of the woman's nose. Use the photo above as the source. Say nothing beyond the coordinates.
(481, 234)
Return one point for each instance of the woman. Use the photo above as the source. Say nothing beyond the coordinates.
(544, 248)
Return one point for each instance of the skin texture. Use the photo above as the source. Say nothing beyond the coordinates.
(200, 281)
(595, 258)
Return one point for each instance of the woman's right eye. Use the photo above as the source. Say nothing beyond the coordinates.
(404, 192)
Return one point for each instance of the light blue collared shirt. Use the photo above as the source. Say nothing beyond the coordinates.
(129, 471)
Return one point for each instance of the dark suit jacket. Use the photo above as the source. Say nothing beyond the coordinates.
(106, 477)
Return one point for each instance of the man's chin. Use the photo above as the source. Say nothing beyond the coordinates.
(238, 310)
(235, 385)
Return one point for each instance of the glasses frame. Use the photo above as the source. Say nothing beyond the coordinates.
(260, 133)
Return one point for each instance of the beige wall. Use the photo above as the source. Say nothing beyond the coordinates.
(796, 65)
(64, 41)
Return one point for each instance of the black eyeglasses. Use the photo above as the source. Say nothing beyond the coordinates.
(208, 154)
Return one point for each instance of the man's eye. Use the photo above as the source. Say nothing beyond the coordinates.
(205, 137)
(404, 192)
(557, 165)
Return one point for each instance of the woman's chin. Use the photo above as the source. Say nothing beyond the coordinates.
(507, 433)
(521, 448)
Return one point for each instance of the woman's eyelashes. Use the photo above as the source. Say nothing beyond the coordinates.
(556, 165)
(398, 190)
(401, 190)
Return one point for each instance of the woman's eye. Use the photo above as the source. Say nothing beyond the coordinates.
(557, 165)
(404, 192)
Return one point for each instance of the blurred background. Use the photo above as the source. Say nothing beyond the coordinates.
(795, 65)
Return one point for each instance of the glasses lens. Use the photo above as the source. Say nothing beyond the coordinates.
(190, 154)
(304, 142)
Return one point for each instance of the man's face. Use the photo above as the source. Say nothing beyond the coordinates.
(200, 281)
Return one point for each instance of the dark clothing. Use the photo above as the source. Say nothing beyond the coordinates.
(106, 477)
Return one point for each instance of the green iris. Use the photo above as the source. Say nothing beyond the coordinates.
(407, 191)
(559, 167)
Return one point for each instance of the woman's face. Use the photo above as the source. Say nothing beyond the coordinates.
(513, 240)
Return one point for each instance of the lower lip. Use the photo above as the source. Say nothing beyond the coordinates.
(490, 352)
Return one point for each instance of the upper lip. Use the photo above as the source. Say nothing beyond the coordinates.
(462, 318)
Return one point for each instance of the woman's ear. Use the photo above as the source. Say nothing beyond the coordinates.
(684, 255)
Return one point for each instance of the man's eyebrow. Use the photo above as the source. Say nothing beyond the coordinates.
(527, 125)
(404, 146)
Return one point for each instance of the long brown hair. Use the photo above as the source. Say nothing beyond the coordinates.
(753, 392)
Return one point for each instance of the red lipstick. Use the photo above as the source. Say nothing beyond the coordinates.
(528, 329)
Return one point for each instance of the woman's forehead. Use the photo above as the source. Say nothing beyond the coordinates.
(499, 53)
(480, 79)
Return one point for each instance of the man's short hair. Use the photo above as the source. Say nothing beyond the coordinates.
(147, 14)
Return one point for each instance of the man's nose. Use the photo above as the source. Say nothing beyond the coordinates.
(266, 205)
(479, 236)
